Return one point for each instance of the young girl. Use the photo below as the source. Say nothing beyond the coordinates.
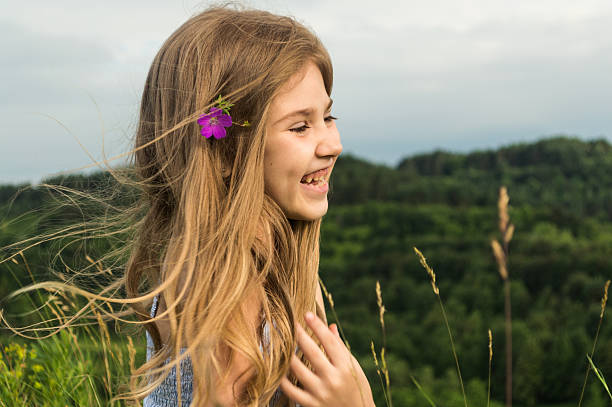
(234, 149)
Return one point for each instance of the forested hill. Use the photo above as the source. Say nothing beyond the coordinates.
(446, 205)
(561, 172)
(564, 173)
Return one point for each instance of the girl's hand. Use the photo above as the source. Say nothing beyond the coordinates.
(335, 382)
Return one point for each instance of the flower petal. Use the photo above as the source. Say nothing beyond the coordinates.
(207, 131)
(204, 120)
(215, 111)
(225, 120)
(218, 132)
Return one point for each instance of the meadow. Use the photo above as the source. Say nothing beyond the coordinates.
(446, 205)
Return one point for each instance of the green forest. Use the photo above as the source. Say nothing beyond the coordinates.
(444, 204)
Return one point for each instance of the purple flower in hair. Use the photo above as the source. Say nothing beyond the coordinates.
(214, 123)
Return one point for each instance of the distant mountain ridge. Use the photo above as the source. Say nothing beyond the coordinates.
(560, 172)
(563, 151)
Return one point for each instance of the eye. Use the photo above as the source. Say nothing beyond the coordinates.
(300, 129)
(303, 128)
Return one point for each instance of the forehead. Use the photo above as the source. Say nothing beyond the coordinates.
(304, 90)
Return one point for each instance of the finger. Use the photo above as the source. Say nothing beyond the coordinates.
(303, 374)
(334, 329)
(296, 394)
(327, 339)
(312, 351)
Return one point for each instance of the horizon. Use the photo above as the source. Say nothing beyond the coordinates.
(361, 158)
(423, 77)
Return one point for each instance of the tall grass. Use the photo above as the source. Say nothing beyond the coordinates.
(436, 291)
(57, 363)
(590, 365)
(86, 365)
(500, 251)
(600, 377)
(490, 361)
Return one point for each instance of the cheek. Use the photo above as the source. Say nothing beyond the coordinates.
(277, 178)
(284, 162)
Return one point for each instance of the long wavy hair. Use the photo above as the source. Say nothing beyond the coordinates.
(210, 234)
(202, 235)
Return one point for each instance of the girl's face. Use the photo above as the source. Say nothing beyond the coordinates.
(302, 145)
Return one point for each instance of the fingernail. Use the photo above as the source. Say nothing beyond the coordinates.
(309, 316)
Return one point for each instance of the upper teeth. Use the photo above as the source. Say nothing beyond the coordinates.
(320, 175)
(309, 179)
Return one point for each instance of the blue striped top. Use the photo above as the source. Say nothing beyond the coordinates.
(165, 394)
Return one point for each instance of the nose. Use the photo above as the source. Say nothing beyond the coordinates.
(329, 144)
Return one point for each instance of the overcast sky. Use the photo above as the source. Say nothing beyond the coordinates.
(410, 76)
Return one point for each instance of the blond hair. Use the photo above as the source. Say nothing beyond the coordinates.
(205, 232)
(200, 243)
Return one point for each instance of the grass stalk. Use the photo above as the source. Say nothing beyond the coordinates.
(604, 300)
(61, 361)
(382, 385)
(385, 370)
(490, 361)
(500, 251)
(599, 376)
(436, 291)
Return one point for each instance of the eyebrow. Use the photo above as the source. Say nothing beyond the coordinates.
(303, 112)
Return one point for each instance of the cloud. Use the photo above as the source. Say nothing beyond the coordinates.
(474, 80)
(42, 68)
(50, 90)
(409, 76)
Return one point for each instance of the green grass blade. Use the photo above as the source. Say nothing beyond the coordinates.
(599, 376)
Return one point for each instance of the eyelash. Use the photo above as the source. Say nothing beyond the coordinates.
(303, 128)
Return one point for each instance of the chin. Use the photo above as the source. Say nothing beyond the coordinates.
(308, 215)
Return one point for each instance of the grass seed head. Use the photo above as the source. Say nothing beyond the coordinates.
(502, 206)
(131, 353)
(429, 270)
(374, 353)
(490, 346)
(500, 257)
(381, 307)
(509, 233)
(604, 300)
(384, 367)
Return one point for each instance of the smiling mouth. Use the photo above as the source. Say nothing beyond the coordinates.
(319, 177)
